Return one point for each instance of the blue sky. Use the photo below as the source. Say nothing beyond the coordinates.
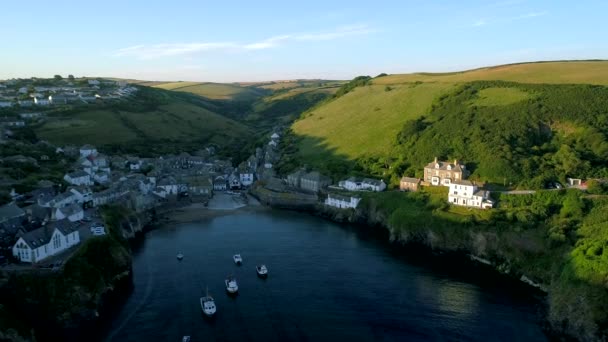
(270, 40)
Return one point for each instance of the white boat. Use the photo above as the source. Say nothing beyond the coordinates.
(231, 285)
(262, 270)
(180, 256)
(186, 339)
(208, 304)
(237, 259)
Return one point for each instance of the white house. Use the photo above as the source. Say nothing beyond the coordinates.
(169, 184)
(342, 202)
(275, 136)
(101, 177)
(235, 182)
(465, 193)
(272, 143)
(359, 184)
(93, 82)
(30, 115)
(78, 178)
(61, 200)
(97, 229)
(81, 194)
(219, 184)
(72, 213)
(246, 177)
(88, 150)
(39, 101)
(46, 241)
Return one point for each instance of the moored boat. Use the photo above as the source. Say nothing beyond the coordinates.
(231, 286)
(262, 271)
(237, 259)
(186, 339)
(180, 256)
(208, 304)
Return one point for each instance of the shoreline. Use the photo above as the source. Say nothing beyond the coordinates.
(196, 212)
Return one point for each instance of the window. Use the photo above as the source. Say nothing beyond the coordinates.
(57, 242)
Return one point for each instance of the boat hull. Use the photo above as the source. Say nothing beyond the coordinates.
(262, 275)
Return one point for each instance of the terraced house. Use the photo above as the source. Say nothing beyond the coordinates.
(444, 173)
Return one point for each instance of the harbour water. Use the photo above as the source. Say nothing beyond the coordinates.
(326, 282)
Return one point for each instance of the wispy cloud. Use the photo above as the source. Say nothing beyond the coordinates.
(180, 49)
(530, 15)
(484, 22)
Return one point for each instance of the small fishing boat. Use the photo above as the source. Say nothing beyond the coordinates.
(262, 271)
(231, 286)
(186, 339)
(208, 304)
(180, 256)
(237, 259)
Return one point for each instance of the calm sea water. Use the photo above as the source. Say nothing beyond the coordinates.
(326, 283)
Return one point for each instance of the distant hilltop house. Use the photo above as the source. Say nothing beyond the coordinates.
(359, 184)
(464, 193)
(342, 202)
(444, 173)
(409, 184)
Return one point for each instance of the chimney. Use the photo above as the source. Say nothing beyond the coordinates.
(455, 161)
(435, 160)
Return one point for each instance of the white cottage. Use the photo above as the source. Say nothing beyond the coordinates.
(342, 202)
(88, 150)
(46, 241)
(464, 193)
(72, 213)
(360, 184)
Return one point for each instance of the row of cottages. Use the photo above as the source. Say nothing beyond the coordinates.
(312, 181)
(444, 173)
(464, 193)
(46, 241)
(342, 202)
(361, 184)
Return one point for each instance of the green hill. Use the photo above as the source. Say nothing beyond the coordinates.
(562, 72)
(215, 91)
(364, 128)
(146, 122)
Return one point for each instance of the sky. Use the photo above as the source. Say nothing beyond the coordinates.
(229, 41)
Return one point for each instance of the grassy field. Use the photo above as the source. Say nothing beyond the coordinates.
(176, 120)
(364, 121)
(500, 97)
(215, 91)
(584, 72)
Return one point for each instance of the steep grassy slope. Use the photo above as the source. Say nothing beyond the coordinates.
(584, 72)
(364, 121)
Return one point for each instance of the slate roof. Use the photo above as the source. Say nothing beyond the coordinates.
(10, 211)
(444, 166)
(463, 182)
(77, 174)
(71, 209)
(42, 236)
(410, 180)
(38, 237)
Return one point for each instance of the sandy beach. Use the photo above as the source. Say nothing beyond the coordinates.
(221, 204)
